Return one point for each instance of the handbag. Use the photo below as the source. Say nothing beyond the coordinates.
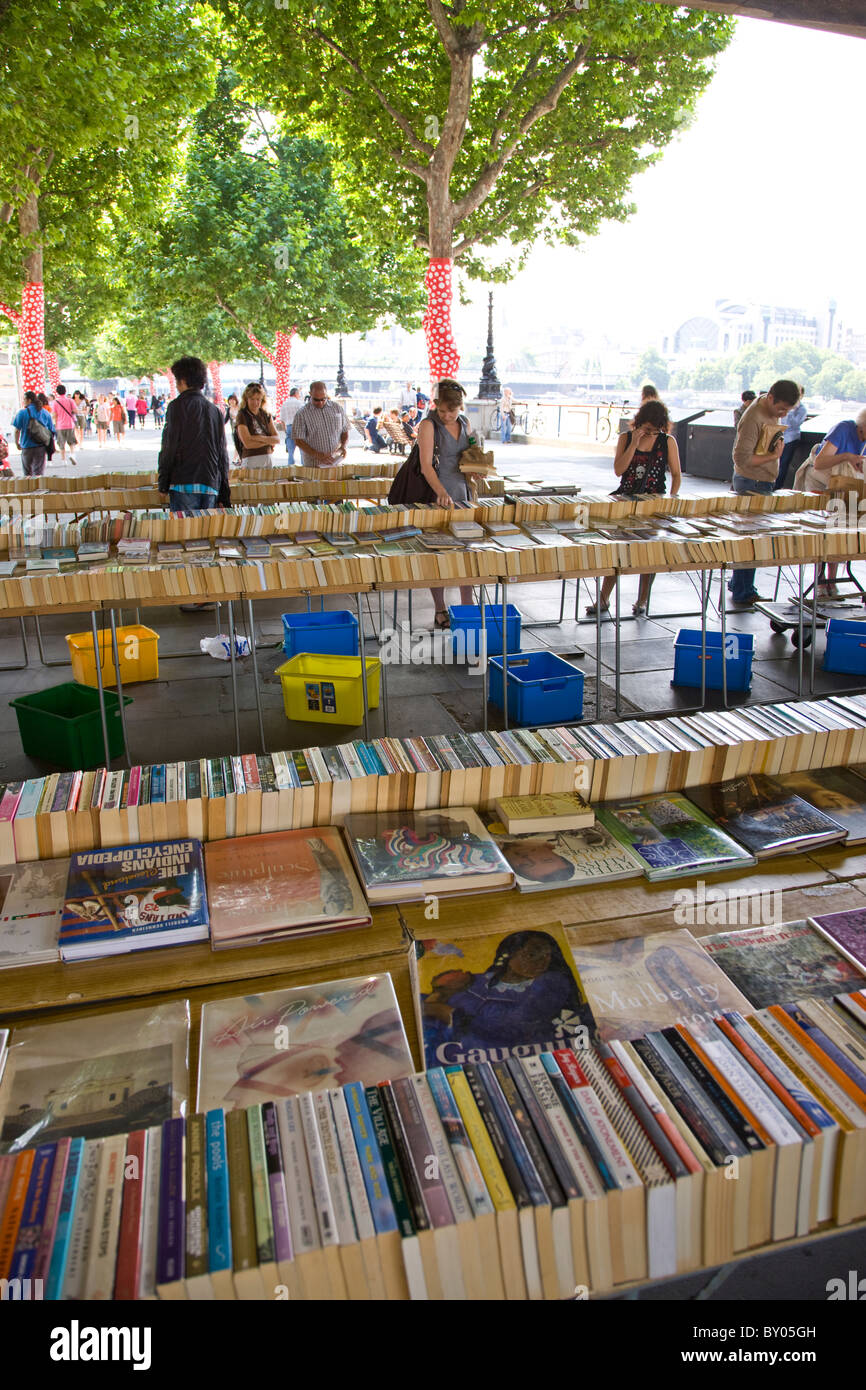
(410, 486)
(37, 431)
(807, 479)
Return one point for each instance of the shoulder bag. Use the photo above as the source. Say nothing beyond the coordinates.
(37, 431)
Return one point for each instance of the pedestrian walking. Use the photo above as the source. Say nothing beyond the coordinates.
(34, 431)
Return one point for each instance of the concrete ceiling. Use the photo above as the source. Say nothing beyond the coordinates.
(836, 16)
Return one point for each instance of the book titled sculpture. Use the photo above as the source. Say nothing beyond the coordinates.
(134, 897)
(288, 1041)
(484, 998)
(291, 883)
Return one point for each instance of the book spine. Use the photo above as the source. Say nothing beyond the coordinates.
(243, 1222)
(420, 1149)
(33, 1212)
(82, 1225)
(196, 1259)
(325, 1214)
(677, 1082)
(681, 1044)
(150, 1213)
(63, 1232)
(276, 1183)
(359, 1205)
(219, 1231)
(302, 1211)
(170, 1242)
(495, 1126)
(370, 1159)
(480, 1139)
(458, 1138)
(549, 1190)
(419, 1221)
(99, 1284)
(382, 1135)
(335, 1175)
(643, 1114)
(128, 1268)
(261, 1193)
(52, 1209)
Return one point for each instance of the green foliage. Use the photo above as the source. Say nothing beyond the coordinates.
(459, 127)
(757, 366)
(709, 376)
(652, 368)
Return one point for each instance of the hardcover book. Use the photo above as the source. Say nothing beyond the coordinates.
(289, 883)
(836, 791)
(31, 903)
(481, 998)
(289, 1041)
(777, 964)
(563, 859)
(95, 1076)
(847, 932)
(403, 855)
(646, 983)
(672, 836)
(765, 817)
(132, 898)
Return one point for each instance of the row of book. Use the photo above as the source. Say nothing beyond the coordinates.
(532, 1173)
(147, 478)
(215, 798)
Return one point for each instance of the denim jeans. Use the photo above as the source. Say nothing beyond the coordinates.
(290, 445)
(743, 581)
(788, 453)
(505, 432)
(190, 503)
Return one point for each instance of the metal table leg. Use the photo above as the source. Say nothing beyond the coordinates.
(617, 693)
(250, 620)
(814, 630)
(703, 638)
(597, 647)
(800, 634)
(483, 599)
(233, 661)
(363, 667)
(505, 652)
(724, 616)
(116, 657)
(42, 657)
(102, 715)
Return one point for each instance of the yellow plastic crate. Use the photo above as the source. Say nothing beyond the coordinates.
(137, 648)
(327, 689)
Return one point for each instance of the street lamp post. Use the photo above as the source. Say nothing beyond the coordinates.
(342, 388)
(489, 388)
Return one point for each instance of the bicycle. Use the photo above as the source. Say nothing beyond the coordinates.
(496, 420)
(604, 422)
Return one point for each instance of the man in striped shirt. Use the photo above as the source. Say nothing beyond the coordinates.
(320, 429)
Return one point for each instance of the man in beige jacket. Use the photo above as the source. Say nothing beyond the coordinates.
(756, 461)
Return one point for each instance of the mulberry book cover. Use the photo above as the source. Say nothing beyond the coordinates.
(133, 897)
(404, 855)
(288, 1041)
(484, 998)
(290, 883)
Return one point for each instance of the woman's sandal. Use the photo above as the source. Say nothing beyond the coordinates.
(442, 619)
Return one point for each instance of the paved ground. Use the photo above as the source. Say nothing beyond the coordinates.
(189, 710)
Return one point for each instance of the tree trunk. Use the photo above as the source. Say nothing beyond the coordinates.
(32, 300)
(172, 386)
(283, 363)
(52, 367)
(442, 355)
(214, 369)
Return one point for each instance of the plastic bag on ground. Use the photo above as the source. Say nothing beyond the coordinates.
(220, 646)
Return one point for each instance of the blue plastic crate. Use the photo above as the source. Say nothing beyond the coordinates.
(846, 647)
(739, 649)
(542, 688)
(333, 632)
(466, 618)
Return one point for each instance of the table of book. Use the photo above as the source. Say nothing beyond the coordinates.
(828, 880)
(387, 574)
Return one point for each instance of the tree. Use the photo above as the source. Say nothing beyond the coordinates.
(753, 365)
(652, 368)
(828, 382)
(459, 125)
(852, 387)
(257, 244)
(710, 376)
(94, 94)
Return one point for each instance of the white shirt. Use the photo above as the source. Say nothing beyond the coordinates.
(289, 409)
(321, 427)
(407, 398)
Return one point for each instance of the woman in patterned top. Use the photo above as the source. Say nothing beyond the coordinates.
(644, 456)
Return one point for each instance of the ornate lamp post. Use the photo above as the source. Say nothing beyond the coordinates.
(489, 388)
(342, 388)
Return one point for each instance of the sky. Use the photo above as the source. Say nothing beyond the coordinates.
(761, 198)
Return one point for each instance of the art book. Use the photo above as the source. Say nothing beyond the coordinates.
(765, 817)
(290, 883)
(563, 859)
(288, 1041)
(134, 897)
(847, 932)
(485, 998)
(647, 983)
(402, 856)
(31, 904)
(672, 836)
(779, 964)
(840, 794)
(95, 1076)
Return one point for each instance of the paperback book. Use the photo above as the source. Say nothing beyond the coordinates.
(484, 998)
(288, 1041)
(132, 898)
(778, 964)
(95, 1076)
(290, 883)
(563, 859)
(645, 983)
(526, 814)
(847, 932)
(765, 817)
(402, 856)
(31, 906)
(672, 836)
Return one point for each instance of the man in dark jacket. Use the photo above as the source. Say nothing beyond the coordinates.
(193, 458)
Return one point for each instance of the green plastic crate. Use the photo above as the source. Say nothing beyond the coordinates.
(62, 725)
